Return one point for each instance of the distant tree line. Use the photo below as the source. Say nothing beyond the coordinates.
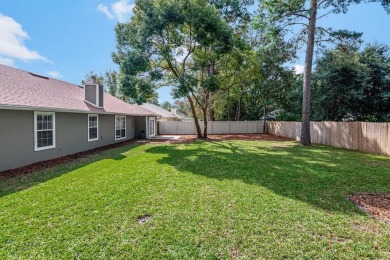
(348, 85)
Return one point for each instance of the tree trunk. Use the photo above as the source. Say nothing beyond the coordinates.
(238, 117)
(207, 105)
(205, 123)
(211, 115)
(305, 130)
(264, 121)
(205, 114)
(210, 96)
(196, 121)
(228, 104)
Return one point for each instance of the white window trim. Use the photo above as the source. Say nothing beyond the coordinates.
(116, 139)
(36, 148)
(97, 136)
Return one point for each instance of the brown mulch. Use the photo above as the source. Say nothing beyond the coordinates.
(61, 160)
(375, 204)
(183, 139)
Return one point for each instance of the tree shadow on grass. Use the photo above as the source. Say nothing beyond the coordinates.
(22, 182)
(321, 176)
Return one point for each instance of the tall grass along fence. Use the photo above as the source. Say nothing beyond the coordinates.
(363, 136)
(213, 127)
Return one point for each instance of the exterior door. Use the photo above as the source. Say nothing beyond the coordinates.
(152, 127)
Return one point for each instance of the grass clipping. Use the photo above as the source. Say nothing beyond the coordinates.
(375, 204)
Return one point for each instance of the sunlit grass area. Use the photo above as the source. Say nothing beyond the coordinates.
(213, 200)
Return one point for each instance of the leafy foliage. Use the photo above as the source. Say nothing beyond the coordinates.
(166, 105)
(348, 84)
(161, 38)
(88, 78)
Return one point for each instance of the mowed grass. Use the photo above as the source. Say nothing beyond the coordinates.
(208, 200)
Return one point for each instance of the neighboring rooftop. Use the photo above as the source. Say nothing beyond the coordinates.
(165, 113)
(159, 110)
(26, 90)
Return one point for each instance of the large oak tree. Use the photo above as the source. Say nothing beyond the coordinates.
(159, 45)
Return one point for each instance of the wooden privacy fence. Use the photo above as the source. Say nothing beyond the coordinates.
(213, 127)
(362, 136)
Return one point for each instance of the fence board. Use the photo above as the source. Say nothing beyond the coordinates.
(213, 127)
(362, 136)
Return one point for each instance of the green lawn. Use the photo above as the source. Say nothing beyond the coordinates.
(209, 200)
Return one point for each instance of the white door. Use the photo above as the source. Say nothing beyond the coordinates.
(152, 127)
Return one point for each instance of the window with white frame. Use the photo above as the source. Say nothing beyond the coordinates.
(44, 130)
(120, 127)
(93, 127)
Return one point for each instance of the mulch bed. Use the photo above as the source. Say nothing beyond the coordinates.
(61, 160)
(375, 204)
(183, 139)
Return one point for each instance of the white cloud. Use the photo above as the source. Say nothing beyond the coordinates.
(103, 9)
(12, 36)
(54, 74)
(6, 61)
(121, 10)
(299, 69)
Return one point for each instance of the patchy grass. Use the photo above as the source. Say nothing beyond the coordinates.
(230, 199)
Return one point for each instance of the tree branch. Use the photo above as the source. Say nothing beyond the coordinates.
(298, 13)
(293, 23)
(331, 11)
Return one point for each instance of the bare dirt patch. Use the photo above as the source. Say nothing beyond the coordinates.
(144, 218)
(375, 204)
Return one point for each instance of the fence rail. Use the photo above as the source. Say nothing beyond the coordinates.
(213, 127)
(363, 136)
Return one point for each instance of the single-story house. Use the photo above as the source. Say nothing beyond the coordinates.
(42, 118)
(165, 115)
